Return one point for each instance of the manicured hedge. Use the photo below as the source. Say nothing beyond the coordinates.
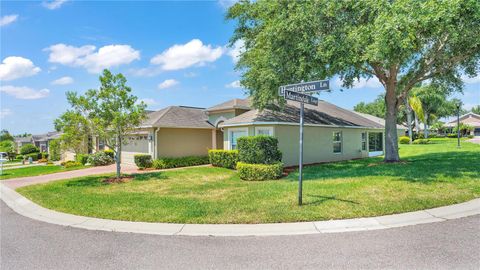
(421, 141)
(71, 163)
(143, 161)
(34, 156)
(167, 163)
(19, 157)
(28, 149)
(452, 135)
(259, 172)
(259, 149)
(404, 140)
(82, 158)
(223, 158)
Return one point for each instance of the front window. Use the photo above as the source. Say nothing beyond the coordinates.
(375, 141)
(337, 142)
(234, 135)
(101, 145)
(364, 141)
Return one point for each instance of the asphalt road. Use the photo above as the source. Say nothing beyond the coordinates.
(30, 244)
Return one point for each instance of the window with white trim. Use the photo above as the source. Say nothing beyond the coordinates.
(264, 131)
(234, 135)
(337, 142)
(364, 141)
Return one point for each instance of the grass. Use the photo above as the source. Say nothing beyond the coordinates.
(430, 176)
(35, 170)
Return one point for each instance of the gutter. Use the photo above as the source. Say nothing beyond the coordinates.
(295, 124)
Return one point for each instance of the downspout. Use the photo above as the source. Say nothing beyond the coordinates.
(155, 142)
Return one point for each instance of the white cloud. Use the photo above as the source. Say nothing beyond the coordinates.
(237, 49)
(14, 67)
(362, 83)
(227, 3)
(469, 80)
(86, 57)
(187, 55)
(23, 92)
(63, 81)
(167, 83)
(8, 19)
(147, 101)
(5, 112)
(53, 4)
(234, 84)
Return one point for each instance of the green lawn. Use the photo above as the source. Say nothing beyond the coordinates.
(35, 170)
(431, 175)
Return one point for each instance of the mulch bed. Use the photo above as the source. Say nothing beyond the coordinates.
(115, 180)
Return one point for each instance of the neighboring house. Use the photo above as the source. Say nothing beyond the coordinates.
(471, 119)
(41, 141)
(21, 141)
(331, 133)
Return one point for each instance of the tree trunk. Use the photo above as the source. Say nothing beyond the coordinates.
(409, 120)
(117, 156)
(425, 126)
(417, 124)
(391, 137)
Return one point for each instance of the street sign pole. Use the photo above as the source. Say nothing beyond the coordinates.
(300, 162)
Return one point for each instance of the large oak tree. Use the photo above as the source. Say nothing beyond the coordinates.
(400, 42)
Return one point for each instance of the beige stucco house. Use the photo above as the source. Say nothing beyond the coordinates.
(331, 133)
(471, 119)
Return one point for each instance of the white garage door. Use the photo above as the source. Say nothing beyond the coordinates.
(137, 144)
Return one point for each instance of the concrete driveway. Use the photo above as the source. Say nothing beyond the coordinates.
(29, 244)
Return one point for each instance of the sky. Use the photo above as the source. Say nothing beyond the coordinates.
(171, 52)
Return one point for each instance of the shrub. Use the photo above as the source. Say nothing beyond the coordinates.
(100, 159)
(110, 153)
(470, 136)
(82, 158)
(259, 149)
(43, 160)
(452, 135)
(44, 155)
(143, 161)
(421, 141)
(258, 172)
(19, 157)
(404, 140)
(28, 149)
(71, 163)
(49, 162)
(223, 158)
(54, 148)
(34, 156)
(166, 163)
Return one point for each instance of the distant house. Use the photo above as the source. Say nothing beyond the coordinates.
(471, 119)
(331, 133)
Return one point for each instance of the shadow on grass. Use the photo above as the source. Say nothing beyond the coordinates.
(319, 199)
(424, 168)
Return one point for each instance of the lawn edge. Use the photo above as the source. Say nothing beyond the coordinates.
(27, 208)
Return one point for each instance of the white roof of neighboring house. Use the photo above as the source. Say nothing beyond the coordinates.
(470, 118)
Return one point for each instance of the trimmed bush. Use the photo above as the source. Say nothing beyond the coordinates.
(223, 158)
(421, 141)
(143, 161)
(100, 159)
(34, 156)
(404, 140)
(259, 172)
(259, 149)
(470, 136)
(110, 153)
(28, 149)
(167, 163)
(71, 163)
(19, 157)
(44, 155)
(82, 158)
(43, 160)
(452, 135)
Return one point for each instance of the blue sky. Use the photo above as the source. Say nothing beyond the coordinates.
(172, 53)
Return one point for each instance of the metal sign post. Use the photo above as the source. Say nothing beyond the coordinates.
(301, 92)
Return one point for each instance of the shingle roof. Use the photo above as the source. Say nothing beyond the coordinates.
(178, 116)
(236, 103)
(468, 118)
(323, 114)
(47, 136)
(379, 120)
(23, 139)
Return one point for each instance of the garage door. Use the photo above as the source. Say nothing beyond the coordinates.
(137, 144)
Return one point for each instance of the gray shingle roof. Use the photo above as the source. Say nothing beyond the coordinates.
(236, 103)
(178, 117)
(379, 120)
(47, 136)
(23, 139)
(323, 114)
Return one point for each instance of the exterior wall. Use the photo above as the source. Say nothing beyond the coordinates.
(214, 116)
(137, 144)
(220, 141)
(179, 142)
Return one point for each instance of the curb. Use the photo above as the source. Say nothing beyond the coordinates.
(29, 209)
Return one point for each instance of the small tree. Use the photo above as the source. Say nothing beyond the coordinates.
(110, 112)
(28, 149)
(476, 109)
(5, 136)
(9, 148)
(54, 149)
(75, 131)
